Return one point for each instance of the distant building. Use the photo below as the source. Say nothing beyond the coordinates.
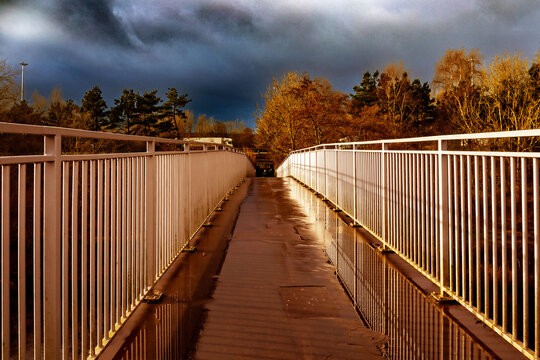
(213, 140)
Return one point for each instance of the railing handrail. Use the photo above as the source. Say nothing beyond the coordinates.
(472, 136)
(27, 129)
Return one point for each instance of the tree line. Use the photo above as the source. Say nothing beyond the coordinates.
(132, 113)
(466, 95)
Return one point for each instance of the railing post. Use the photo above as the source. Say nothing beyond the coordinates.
(384, 195)
(150, 202)
(444, 270)
(187, 148)
(325, 173)
(52, 248)
(336, 148)
(309, 168)
(354, 185)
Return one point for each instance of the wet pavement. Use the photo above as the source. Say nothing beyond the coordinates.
(262, 285)
(277, 296)
(393, 297)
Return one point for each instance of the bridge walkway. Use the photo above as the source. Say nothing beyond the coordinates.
(277, 297)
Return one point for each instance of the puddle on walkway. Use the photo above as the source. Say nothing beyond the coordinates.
(390, 304)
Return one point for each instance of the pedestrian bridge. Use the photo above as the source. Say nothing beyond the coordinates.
(107, 241)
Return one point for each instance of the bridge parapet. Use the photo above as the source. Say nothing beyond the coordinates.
(87, 235)
(460, 210)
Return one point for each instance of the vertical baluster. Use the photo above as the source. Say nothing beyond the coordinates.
(431, 182)
(65, 261)
(118, 275)
(478, 235)
(84, 260)
(486, 296)
(422, 174)
(514, 248)
(495, 246)
(124, 243)
(463, 255)
(525, 252)
(451, 217)
(21, 252)
(443, 193)
(504, 247)
(456, 243)
(74, 261)
(107, 249)
(536, 219)
(114, 243)
(470, 256)
(92, 240)
(38, 333)
(99, 255)
(6, 336)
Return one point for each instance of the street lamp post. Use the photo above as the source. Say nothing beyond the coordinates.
(23, 64)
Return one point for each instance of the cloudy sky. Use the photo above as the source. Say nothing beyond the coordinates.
(224, 53)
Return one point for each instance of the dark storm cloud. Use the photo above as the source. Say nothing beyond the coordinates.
(202, 23)
(224, 53)
(225, 17)
(509, 11)
(92, 20)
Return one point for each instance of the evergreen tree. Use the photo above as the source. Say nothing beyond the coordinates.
(365, 94)
(94, 105)
(148, 113)
(125, 110)
(173, 111)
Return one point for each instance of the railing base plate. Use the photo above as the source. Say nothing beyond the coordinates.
(189, 249)
(442, 299)
(153, 297)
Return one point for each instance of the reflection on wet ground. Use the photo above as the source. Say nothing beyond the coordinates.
(390, 302)
(164, 329)
(415, 327)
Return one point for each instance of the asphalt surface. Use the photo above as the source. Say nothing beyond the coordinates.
(276, 296)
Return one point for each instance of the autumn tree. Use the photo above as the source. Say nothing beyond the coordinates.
(189, 122)
(204, 124)
(219, 129)
(502, 96)
(405, 103)
(244, 139)
(67, 114)
(299, 111)
(17, 144)
(21, 112)
(8, 95)
(510, 98)
(457, 81)
(321, 108)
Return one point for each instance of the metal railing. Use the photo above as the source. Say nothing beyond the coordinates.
(85, 236)
(412, 326)
(468, 220)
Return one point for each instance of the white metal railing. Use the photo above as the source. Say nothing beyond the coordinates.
(468, 220)
(84, 237)
(414, 327)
